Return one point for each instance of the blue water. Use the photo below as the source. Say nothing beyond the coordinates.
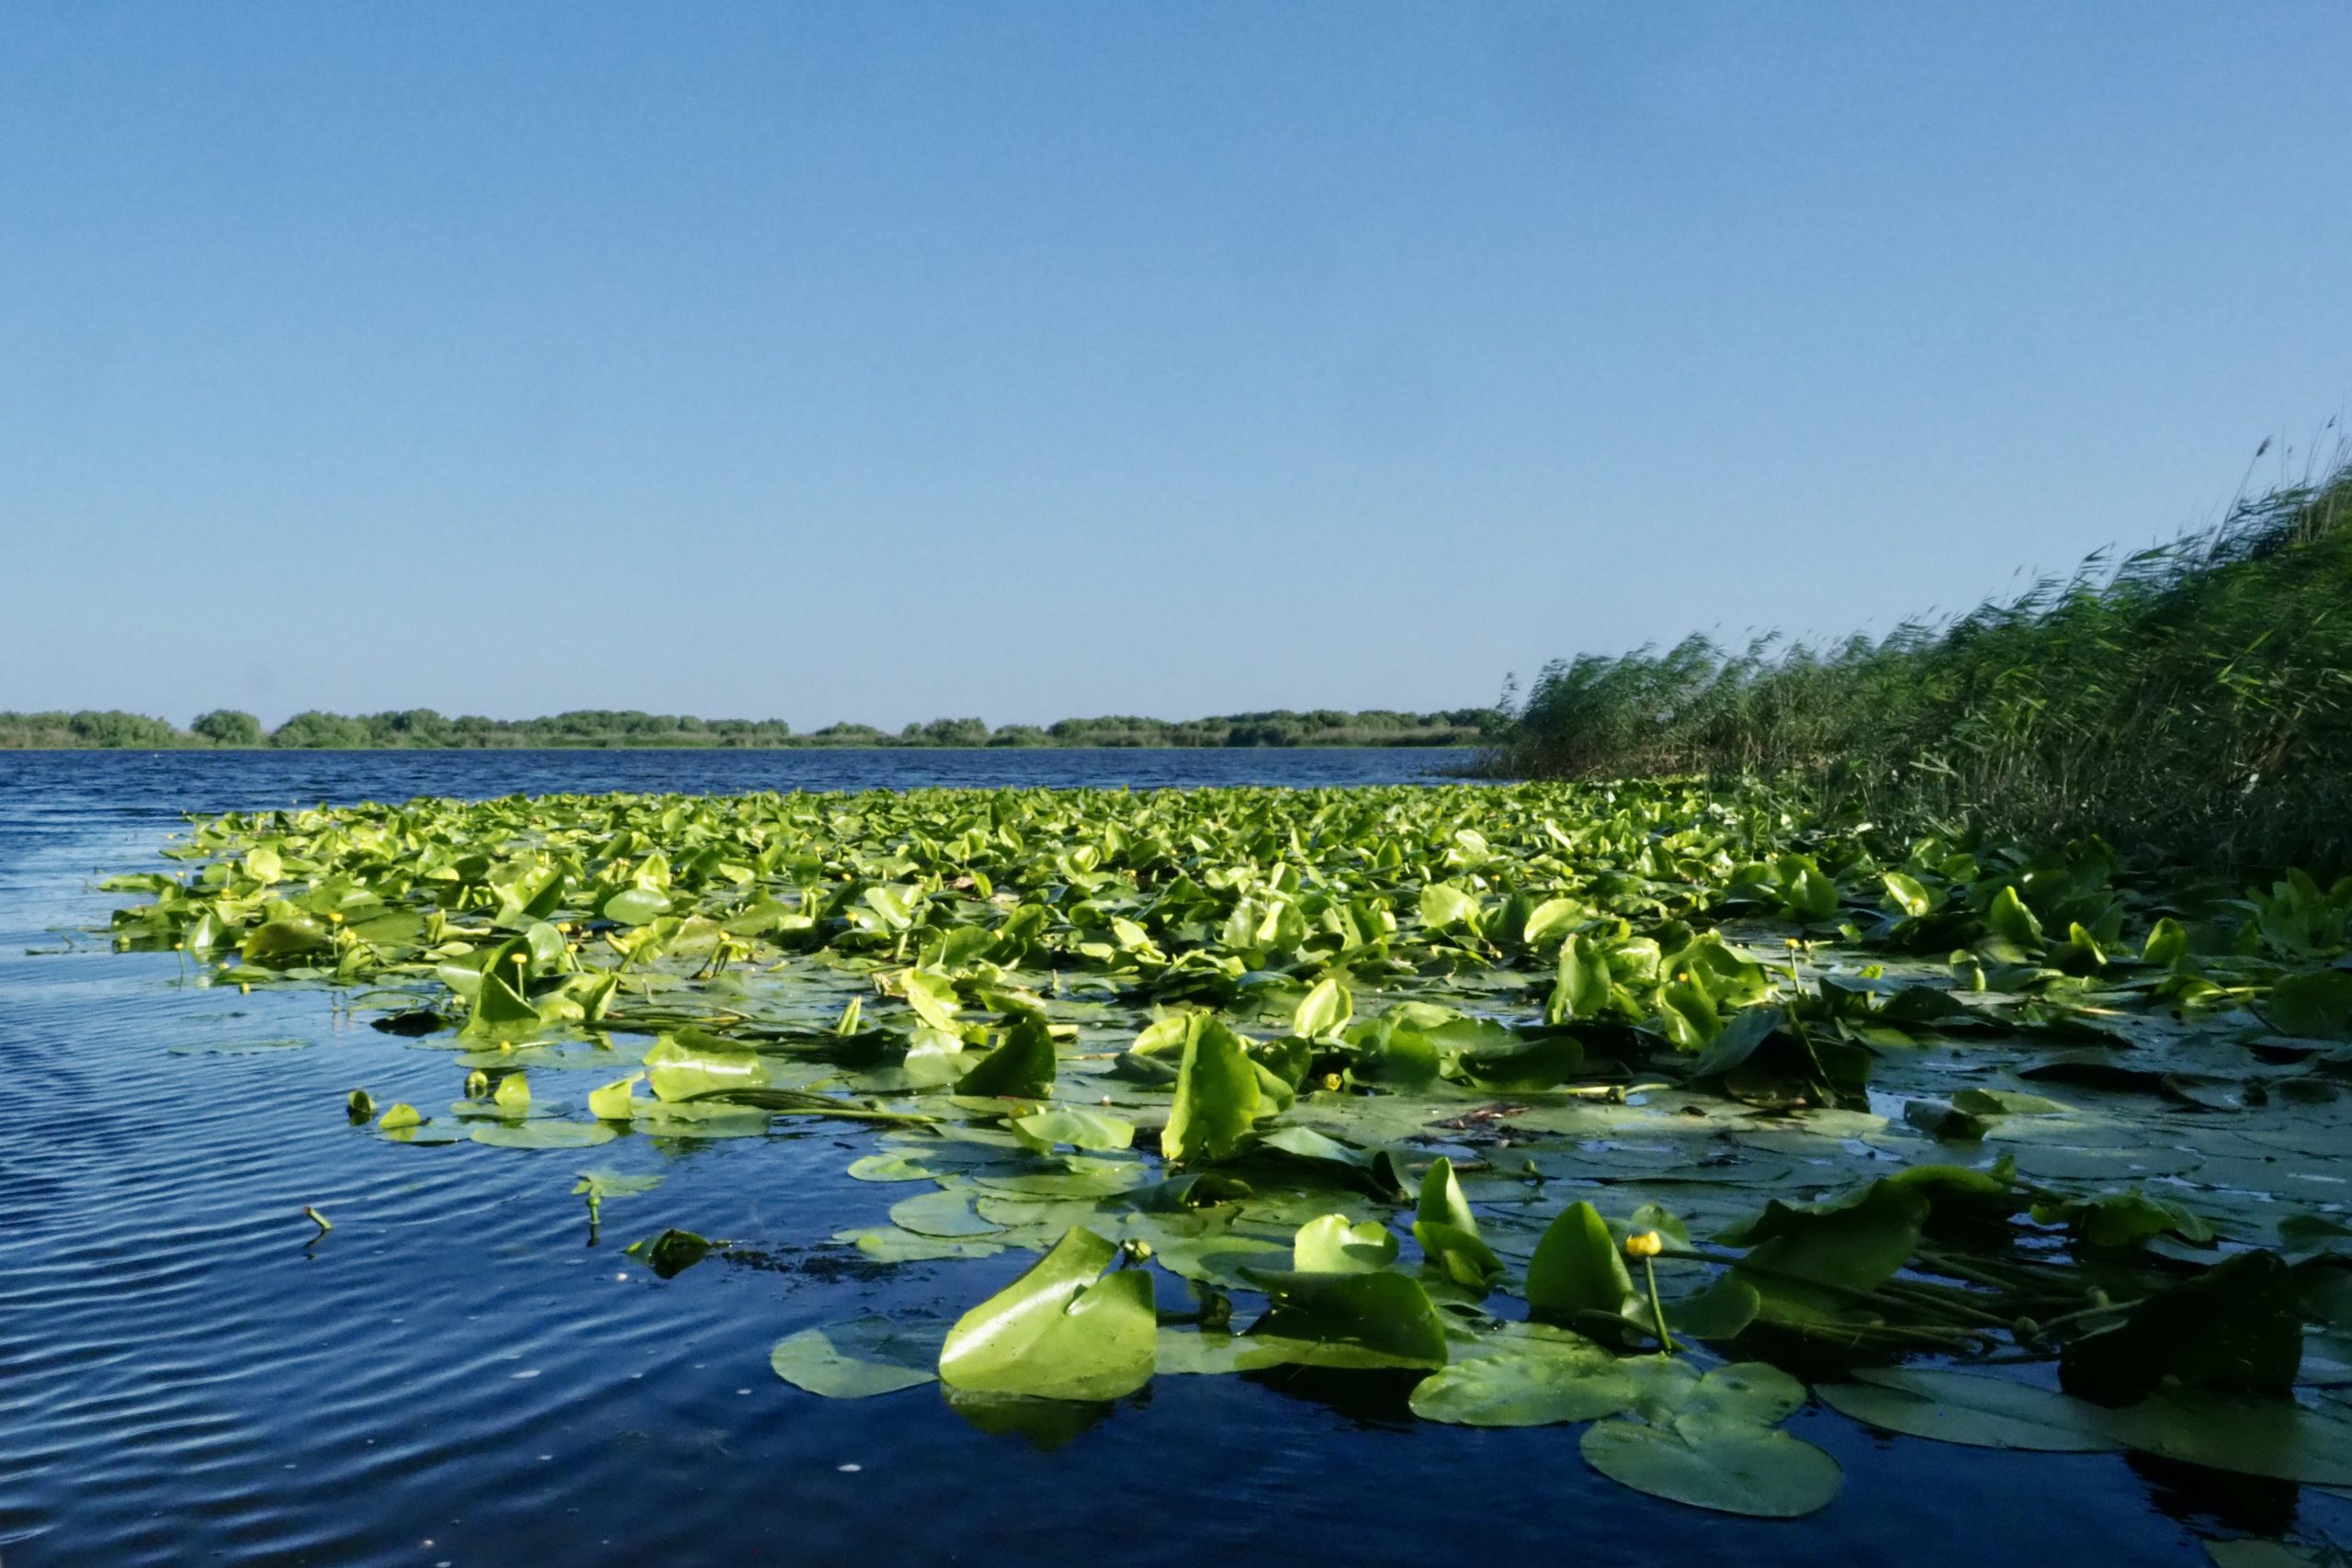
(456, 1376)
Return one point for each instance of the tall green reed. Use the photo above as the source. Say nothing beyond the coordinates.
(2192, 702)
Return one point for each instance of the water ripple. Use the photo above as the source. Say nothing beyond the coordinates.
(453, 1374)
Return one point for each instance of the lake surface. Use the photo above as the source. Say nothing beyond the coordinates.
(456, 1376)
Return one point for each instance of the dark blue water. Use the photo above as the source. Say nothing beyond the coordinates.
(456, 1376)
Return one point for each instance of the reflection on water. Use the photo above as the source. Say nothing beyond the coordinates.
(457, 1373)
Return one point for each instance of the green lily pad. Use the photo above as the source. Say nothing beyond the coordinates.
(857, 1361)
(543, 1133)
(1352, 1320)
(671, 1252)
(888, 1244)
(1716, 1462)
(1578, 1269)
(1073, 1126)
(2273, 1438)
(1022, 1067)
(1217, 1095)
(1332, 1246)
(1973, 1409)
(944, 1213)
(1527, 1388)
(1061, 1331)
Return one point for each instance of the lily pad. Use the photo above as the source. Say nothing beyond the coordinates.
(543, 1133)
(2273, 1438)
(1527, 1388)
(857, 1361)
(1354, 1320)
(1973, 1409)
(1061, 1331)
(1332, 1246)
(1717, 1463)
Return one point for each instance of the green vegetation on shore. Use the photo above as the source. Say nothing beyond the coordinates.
(423, 728)
(2190, 703)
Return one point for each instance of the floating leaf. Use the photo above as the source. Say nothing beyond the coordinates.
(1352, 1320)
(671, 1252)
(2005, 1102)
(888, 1244)
(1217, 1095)
(1332, 1246)
(1716, 1462)
(543, 1133)
(1076, 1127)
(635, 905)
(890, 1168)
(1971, 1408)
(615, 1101)
(1022, 1067)
(1527, 1388)
(2273, 1438)
(600, 1184)
(1578, 1269)
(1322, 1010)
(947, 1213)
(857, 1361)
(1058, 1331)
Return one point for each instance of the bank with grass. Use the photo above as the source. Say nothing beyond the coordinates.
(2190, 704)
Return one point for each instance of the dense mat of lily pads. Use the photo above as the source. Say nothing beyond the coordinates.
(1641, 1106)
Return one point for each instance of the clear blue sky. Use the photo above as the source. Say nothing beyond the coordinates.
(890, 361)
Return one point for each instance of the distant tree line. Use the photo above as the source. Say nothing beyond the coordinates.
(313, 729)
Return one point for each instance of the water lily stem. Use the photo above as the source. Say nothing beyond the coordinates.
(1889, 1334)
(1891, 1300)
(2014, 1274)
(1765, 1272)
(1933, 1301)
(2069, 1319)
(1658, 1308)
